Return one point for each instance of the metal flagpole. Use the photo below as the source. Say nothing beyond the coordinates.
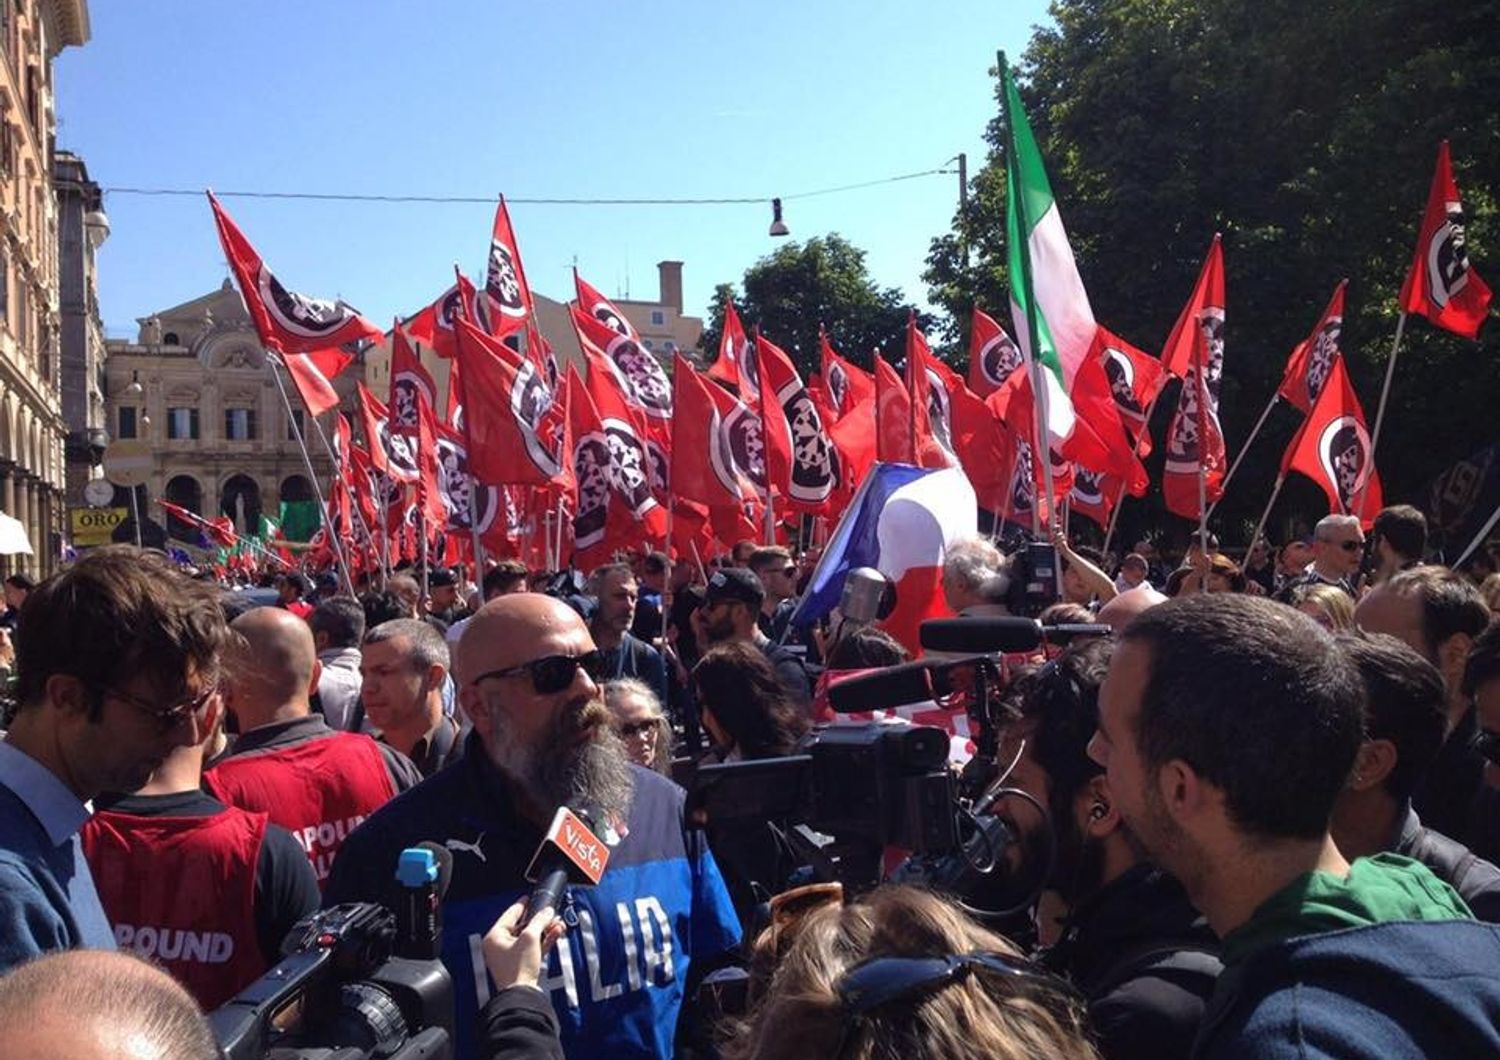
(1114, 519)
(1200, 374)
(1478, 538)
(338, 546)
(135, 515)
(338, 470)
(1246, 447)
(1385, 392)
(422, 529)
(1265, 515)
(671, 503)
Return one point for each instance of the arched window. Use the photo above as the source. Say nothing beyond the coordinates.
(240, 500)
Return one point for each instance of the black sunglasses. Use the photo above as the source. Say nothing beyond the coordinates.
(553, 673)
(1351, 546)
(1487, 744)
(882, 981)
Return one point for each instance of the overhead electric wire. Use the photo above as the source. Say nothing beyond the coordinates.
(528, 201)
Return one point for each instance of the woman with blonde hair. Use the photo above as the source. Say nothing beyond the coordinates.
(1327, 605)
(904, 973)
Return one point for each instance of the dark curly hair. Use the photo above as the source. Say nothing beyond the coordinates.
(748, 700)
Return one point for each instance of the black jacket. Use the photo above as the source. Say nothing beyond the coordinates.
(518, 1024)
(1477, 881)
(1145, 961)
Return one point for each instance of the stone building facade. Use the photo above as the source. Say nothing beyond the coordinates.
(32, 428)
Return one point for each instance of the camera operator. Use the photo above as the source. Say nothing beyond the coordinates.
(1130, 941)
(542, 739)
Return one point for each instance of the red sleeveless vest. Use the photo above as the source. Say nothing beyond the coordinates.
(181, 891)
(318, 790)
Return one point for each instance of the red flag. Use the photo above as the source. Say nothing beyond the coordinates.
(1099, 439)
(313, 374)
(1441, 285)
(287, 322)
(455, 417)
(978, 436)
(409, 383)
(505, 289)
(630, 367)
(434, 323)
(601, 310)
(429, 490)
(1135, 378)
(846, 385)
(1333, 449)
(893, 433)
(615, 506)
(729, 366)
(993, 355)
(469, 505)
(506, 413)
(801, 462)
(1308, 367)
(1208, 293)
(1093, 495)
(390, 453)
(746, 435)
(1195, 439)
(703, 465)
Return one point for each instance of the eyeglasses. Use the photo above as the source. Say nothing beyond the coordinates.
(170, 717)
(1348, 546)
(1487, 744)
(553, 673)
(636, 728)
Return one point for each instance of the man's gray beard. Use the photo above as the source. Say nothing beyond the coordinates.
(595, 776)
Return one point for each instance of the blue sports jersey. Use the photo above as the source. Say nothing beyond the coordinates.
(617, 977)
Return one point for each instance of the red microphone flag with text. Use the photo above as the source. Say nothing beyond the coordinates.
(1440, 285)
(290, 323)
(1195, 438)
(993, 355)
(1333, 449)
(508, 413)
(1308, 368)
(801, 463)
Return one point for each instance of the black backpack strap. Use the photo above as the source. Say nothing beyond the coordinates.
(1164, 957)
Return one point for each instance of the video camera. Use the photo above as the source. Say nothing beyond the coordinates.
(1035, 579)
(355, 981)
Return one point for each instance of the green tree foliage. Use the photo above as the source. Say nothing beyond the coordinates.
(788, 293)
(1305, 131)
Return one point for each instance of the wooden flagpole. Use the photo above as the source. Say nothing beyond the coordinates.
(1385, 393)
(1265, 515)
(1246, 448)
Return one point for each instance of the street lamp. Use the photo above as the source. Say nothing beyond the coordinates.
(778, 226)
(96, 227)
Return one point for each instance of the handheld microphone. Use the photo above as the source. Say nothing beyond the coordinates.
(979, 636)
(569, 853)
(423, 873)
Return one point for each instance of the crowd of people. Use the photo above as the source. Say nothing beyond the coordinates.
(1261, 813)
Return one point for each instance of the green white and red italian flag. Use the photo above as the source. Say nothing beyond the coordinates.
(1051, 313)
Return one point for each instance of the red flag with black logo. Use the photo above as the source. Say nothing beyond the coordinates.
(305, 331)
(434, 323)
(802, 464)
(429, 490)
(727, 367)
(977, 436)
(932, 409)
(847, 385)
(1195, 351)
(600, 309)
(703, 465)
(390, 453)
(409, 381)
(630, 368)
(508, 413)
(505, 290)
(1333, 449)
(1308, 367)
(1099, 439)
(993, 355)
(1135, 378)
(1441, 285)
(615, 507)
(893, 428)
(745, 434)
(1093, 494)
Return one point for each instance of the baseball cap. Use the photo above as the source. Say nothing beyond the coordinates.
(734, 584)
(440, 576)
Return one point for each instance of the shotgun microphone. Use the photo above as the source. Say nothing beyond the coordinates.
(1001, 634)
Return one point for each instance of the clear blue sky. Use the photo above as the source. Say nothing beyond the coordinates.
(584, 99)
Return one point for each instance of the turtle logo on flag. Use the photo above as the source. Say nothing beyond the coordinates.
(1447, 258)
(629, 466)
(747, 445)
(449, 308)
(554, 375)
(309, 318)
(529, 402)
(939, 411)
(640, 375)
(502, 281)
(998, 358)
(591, 465)
(458, 492)
(838, 385)
(658, 468)
(815, 468)
(1022, 486)
(1325, 347)
(1344, 454)
(721, 456)
(610, 317)
(406, 386)
(1088, 488)
(1120, 370)
(400, 452)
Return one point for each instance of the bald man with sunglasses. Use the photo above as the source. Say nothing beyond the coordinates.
(528, 676)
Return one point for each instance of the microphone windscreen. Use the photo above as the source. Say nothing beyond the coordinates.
(981, 636)
(444, 858)
(892, 686)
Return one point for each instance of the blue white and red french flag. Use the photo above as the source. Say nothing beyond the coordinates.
(900, 522)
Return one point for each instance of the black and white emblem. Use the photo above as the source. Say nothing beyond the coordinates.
(998, 358)
(529, 402)
(815, 467)
(310, 318)
(1325, 347)
(1447, 258)
(640, 374)
(747, 445)
(458, 491)
(1344, 453)
(502, 281)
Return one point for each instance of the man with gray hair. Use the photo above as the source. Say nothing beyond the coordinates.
(338, 625)
(976, 577)
(403, 665)
(1338, 547)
